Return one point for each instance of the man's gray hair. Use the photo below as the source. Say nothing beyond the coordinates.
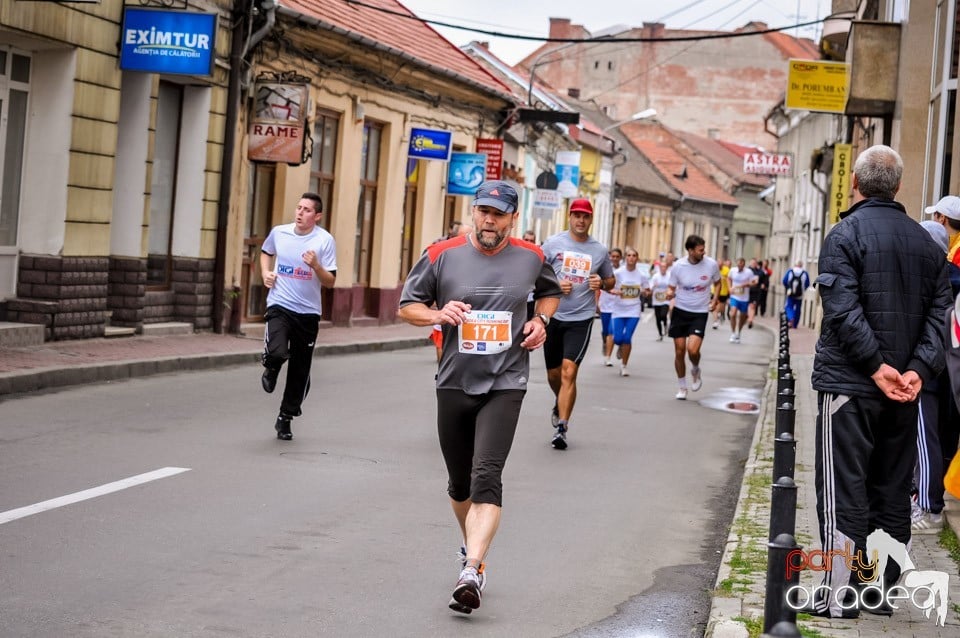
(879, 170)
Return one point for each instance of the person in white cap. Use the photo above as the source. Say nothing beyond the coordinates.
(947, 213)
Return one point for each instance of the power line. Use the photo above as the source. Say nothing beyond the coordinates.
(516, 36)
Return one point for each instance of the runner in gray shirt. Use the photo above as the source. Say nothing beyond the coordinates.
(480, 284)
(583, 266)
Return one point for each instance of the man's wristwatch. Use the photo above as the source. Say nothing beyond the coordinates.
(544, 318)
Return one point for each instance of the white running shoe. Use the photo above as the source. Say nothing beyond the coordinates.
(624, 372)
(608, 363)
(697, 382)
(681, 394)
(481, 573)
(927, 523)
(716, 324)
(733, 338)
(466, 595)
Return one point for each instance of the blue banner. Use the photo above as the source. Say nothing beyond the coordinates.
(428, 143)
(178, 42)
(466, 172)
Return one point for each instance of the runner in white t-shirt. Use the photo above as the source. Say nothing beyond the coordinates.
(659, 284)
(740, 280)
(632, 285)
(295, 261)
(690, 280)
(605, 302)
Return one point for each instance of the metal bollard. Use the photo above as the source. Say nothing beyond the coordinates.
(775, 608)
(783, 629)
(783, 507)
(785, 381)
(784, 455)
(785, 423)
(785, 395)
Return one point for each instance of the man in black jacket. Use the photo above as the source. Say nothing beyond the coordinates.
(885, 293)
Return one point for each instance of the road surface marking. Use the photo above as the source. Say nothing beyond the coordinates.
(93, 492)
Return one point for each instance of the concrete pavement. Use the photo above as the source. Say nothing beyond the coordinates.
(739, 594)
(64, 363)
(738, 602)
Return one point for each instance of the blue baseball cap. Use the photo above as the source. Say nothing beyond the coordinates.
(497, 194)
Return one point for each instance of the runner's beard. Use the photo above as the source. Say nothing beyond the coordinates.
(490, 244)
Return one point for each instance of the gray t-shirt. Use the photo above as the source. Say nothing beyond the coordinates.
(484, 353)
(576, 261)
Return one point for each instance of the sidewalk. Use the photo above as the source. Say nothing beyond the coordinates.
(739, 593)
(63, 363)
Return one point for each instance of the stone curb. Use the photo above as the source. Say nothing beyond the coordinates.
(59, 377)
(723, 610)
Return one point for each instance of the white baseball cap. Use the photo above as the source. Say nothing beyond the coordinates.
(948, 206)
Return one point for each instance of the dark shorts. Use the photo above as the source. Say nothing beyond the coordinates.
(566, 340)
(722, 299)
(476, 433)
(684, 324)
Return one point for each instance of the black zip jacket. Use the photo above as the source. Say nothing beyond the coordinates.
(885, 292)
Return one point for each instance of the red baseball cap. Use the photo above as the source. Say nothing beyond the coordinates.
(581, 206)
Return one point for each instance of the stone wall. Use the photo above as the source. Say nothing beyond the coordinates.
(125, 292)
(67, 295)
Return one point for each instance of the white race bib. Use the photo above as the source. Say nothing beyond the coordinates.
(485, 332)
(629, 291)
(660, 295)
(576, 266)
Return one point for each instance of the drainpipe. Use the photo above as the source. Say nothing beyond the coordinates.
(238, 52)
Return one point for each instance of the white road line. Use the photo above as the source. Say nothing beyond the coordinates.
(93, 492)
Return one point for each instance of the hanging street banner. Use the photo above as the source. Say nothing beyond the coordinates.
(815, 85)
(494, 150)
(428, 143)
(177, 42)
(840, 185)
(568, 173)
(465, 173)
(277, 126)
(768, 164)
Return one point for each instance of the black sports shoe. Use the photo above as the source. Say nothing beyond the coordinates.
(282, 427)
(269, 379)
(559, 441)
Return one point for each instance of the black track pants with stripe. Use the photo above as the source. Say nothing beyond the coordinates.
(290, 336)
(865, 452)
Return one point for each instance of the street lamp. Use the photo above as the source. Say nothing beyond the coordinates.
(639, 115)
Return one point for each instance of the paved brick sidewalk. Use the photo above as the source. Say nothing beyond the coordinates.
(62, 363)
(739, 594)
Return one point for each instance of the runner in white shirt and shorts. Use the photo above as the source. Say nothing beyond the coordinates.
(689, 287)
(741, 280)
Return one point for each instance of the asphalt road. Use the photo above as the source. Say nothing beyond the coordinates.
(346, 531)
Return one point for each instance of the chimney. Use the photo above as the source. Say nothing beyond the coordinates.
(559, 27)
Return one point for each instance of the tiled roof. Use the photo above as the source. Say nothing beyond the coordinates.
(412, 38)
(672, 166)
(791, 47)
(726, 156)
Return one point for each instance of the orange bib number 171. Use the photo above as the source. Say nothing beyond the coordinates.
(486, 332)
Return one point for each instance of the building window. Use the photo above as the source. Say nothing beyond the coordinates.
(14, 94)
(326, 130)
(367, 206)
(408, 251)
(163, 186)
(943, 103)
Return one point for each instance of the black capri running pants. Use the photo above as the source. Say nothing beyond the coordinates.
(566, 340)
(476, 433)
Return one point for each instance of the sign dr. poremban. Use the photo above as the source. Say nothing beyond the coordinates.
(175, 42)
